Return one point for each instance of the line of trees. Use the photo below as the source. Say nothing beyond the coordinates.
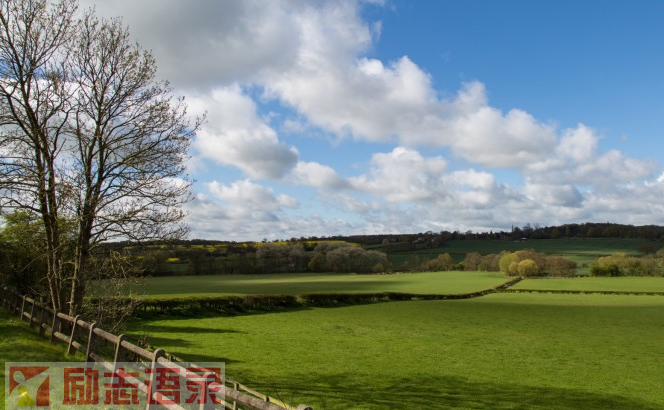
(269, 258)
(413, 241)
(622, 264)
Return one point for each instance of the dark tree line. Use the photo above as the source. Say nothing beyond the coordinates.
(263, 259)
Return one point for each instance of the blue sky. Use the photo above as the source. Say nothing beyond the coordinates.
(365, 117)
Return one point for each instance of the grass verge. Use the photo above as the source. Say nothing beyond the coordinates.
(19, 343)
(620, 284)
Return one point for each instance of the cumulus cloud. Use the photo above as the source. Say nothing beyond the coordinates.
(309, 60)
(406, 176)
(210, 43)
(310, 56)
(557, 195)
(577, 170)
(636, 203)
(576, 159)
(337, 89)
(578, 144)
(239, 210)
(236, 136)
(402, 175)
(316, 175)
(249, 197)
(244, 210)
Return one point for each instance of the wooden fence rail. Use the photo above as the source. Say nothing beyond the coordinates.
(87, 338)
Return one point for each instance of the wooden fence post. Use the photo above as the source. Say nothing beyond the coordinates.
(88, 348)
(42, 320)
(54, 328)
(235, 386)
(208, 402)
(32, 312)
(153, 379)
(70, 349)
(120, 355)
(23, 307)
(17, 302)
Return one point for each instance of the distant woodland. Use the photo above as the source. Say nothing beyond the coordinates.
(352, 253)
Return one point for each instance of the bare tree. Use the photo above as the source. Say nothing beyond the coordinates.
(34, 41)
(131, 140)
(113, 137)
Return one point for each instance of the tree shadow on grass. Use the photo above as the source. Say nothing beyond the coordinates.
(150, 328)
(342, 392)
(181, 347)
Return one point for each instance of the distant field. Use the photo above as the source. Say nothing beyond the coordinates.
(498, 352)
(621, 284)
(581, 251)
(294, 284)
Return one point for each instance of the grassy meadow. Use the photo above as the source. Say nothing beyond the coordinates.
(294, 284)
(19, 343)
(502, 351)
(595, 284)
(529, 351)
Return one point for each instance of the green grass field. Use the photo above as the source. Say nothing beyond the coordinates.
(619, 284)
(19, 343)
(502, 351)
(294, 284)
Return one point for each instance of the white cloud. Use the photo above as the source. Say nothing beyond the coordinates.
(576, 163)
(613, 167)
(316, 175)
(484, 135)
(311, 58)
(578, 144)
(229, 217)
(210, 43)
(403, 175)
(309, 55)
(236, 136)
(239, 211)
(556, 195)
(249, 197)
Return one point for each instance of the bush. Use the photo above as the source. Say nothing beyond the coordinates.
(628, 265)
(559, 266)
(528, 267)
(540, 264)
(506, 261)
(606, 270)
(442, 263)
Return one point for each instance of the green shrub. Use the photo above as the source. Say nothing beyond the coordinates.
(443, 262)
(606, 270)
(629, 265)
(528, 267)
(218, 304)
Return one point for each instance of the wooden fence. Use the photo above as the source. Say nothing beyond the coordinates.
(87, 338)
